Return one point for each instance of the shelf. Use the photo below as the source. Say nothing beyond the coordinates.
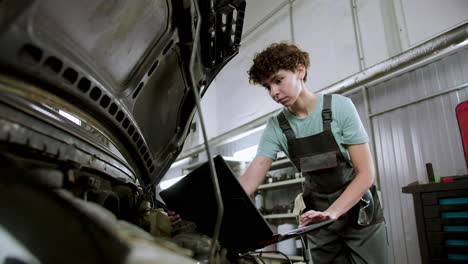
(280, 184)
(281, 257)
(281, 163)
(279, 216)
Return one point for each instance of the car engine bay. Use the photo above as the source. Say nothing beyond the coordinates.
(96, 100)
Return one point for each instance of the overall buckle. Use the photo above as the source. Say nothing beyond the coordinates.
(327, 115)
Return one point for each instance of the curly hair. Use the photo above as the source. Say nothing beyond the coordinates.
(278, 56)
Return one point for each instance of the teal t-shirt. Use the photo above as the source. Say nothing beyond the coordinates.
(346, 127)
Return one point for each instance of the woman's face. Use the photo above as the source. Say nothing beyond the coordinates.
(285, 86)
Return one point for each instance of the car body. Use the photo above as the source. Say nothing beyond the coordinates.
(97, 100)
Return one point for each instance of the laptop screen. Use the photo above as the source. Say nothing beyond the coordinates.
(193, 198)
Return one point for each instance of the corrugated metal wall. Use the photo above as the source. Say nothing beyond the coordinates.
(414, 123)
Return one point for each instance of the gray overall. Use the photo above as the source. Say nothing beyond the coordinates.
(360, 235)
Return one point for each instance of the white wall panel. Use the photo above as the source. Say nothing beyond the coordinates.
(424, 19)
(409, 137)
(238, 101)
(257, 10)
(372, 33)
(386, 140)
(325, 30)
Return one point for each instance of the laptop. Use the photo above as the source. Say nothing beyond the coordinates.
(243, 227)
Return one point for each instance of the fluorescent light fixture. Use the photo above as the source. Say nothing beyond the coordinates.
(180, 162)
(70, 117)
(247, 154)
(168, 183)
(242, 135)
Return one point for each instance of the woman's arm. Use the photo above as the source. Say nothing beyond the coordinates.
(364, 167)
(255, 174)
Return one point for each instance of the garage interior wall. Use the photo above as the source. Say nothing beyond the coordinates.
(326, 30)
(413, 121)
(409, 117)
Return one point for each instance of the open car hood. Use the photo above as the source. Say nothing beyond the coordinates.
(119, 70)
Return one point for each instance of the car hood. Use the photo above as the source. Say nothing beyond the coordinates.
(121, 71)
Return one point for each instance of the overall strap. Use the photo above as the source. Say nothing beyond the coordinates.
(326, 112)
(284, 125)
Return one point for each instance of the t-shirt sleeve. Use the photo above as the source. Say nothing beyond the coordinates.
(269, 143)
(353, 132)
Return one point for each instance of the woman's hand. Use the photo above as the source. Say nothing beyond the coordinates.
(174, 218)
(314, 217)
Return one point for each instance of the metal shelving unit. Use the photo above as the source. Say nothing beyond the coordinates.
(280, 164)
(281, 217)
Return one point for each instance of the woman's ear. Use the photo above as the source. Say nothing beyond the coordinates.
(301, 71)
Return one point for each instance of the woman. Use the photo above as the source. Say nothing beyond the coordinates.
(324, 138)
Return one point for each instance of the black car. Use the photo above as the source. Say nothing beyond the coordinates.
(96, 100)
